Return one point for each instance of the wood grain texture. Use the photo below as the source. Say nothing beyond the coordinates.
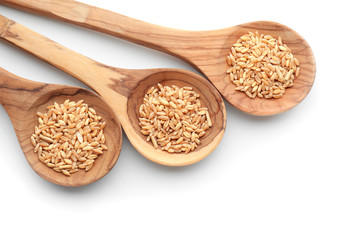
(22, 99)
(205, 50)
(124, 90)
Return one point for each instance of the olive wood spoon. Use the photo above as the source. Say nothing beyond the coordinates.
(205, 50)
(124, 90)
(22, 99)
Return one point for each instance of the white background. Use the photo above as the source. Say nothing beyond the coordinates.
(289, 176)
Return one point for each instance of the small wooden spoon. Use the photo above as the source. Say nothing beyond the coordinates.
(23, 98)
(205, 50)
(124, 90)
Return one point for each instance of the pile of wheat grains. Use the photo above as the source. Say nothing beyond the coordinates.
(69, 137)
(262, 66)
(173, 118)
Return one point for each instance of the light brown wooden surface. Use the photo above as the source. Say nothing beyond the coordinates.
(205, 50)
(22, 99)
(124, 90)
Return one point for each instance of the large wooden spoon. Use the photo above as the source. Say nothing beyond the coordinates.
(205, 50)
(23, 98)
(124, 90)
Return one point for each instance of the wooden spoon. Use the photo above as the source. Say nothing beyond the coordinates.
(23, 98)
(205, 50)
(124, 90)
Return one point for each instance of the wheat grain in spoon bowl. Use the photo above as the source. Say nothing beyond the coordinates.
(172, 117)
(23, 100)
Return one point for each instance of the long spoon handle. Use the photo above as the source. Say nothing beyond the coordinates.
(164, 39)
(15, 91)
(85, 69)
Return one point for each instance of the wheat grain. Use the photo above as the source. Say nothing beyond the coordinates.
(172, 118)
(68, 133)
(260, 62)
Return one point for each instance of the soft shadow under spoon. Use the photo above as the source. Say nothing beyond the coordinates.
(205, 50)
(23, 98)
(124, 90)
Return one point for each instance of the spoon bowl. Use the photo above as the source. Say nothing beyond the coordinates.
(205, 50)
(261, 106)
(22, 99)
(208, 96)
(124, 90)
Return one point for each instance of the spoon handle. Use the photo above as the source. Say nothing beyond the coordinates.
(85, 69)
(16, 91)
(169, 40)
